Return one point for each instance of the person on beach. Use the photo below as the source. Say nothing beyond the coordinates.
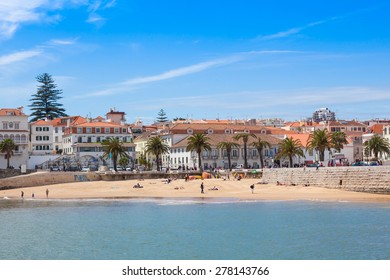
(201, 188)
(22, 194)
(32, 195)
(47, 193)
(252, 187)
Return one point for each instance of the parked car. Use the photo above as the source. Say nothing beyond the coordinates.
(373, 163)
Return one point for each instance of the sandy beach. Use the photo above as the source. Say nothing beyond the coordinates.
(158, 188)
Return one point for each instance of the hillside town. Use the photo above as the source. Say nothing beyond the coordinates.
(75, 142)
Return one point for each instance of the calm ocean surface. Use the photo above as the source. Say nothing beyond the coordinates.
(166, 229)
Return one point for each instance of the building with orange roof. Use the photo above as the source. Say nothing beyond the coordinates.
(180, 158)
(376, 129)
(85, 139)
(347, 126)
(14, 126)
(192, 128)
(352, 150)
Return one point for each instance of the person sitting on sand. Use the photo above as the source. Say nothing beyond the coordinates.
(213, 189)
(279, 184)
(137, 186)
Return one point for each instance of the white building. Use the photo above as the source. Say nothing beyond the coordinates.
(386, 135)
(14, 126)
(41, 138)
(85, 139)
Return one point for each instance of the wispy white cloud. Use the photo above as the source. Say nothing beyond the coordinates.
(270, 103)
(18, 56)
(94, 8)
(295, 30)
(199, 67)
(131, 84)
(60, 42)
(15, 13)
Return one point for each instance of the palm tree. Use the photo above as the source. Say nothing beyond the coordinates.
(156, 146)
(113, 148)
(228, 146)
(245, 138)
(260, 145)
(7, 146)
(377, 145)
(197, 143)
(290, 148)
(319, 140)
(338, 140)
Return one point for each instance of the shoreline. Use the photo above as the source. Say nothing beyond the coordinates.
(181, 190)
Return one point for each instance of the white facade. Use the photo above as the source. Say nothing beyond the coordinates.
(386, 135)
(85, 139)
(14, 126)
(41, 138)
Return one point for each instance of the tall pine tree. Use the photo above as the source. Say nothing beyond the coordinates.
(161, 116)
(44, 102)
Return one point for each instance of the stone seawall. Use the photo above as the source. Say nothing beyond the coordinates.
(372, 179)
(46, 178)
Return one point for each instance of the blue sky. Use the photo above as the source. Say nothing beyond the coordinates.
(200, 59)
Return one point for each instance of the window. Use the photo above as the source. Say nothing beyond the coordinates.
(116, 130)
(45, 138)
(89, 140)
(56, 139)
(97, 130)
(45, 128)
(56, 130)
(5, 125)
(38, 138)
(124, 130)
(190, 131)
(11, 125)
(254, 152)
(227, 131)
(16, 125)
(235, 153)
(79, 130)
(210, 131)
(107, 130)
(89, 130)
(38, 128)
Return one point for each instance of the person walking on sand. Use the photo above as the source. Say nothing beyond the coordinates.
(252, 187)
(22, 194)
(47, 193)
(32, 195)
(201, 188)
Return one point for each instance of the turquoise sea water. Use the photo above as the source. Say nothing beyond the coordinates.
(166, 229)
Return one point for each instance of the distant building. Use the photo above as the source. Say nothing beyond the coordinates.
(323, 114)
(14, 126)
